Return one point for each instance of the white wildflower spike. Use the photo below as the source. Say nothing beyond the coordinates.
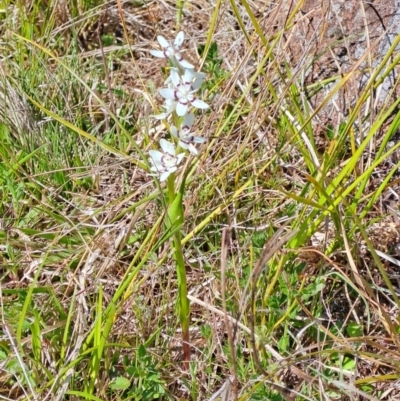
(166, 162)
(183, 91)
(186, 138)
(171, 51)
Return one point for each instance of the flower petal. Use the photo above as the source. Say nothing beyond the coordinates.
(199, 104)
(198, 139)
(175, 78)
(188, 76)
(155, 157)
(169, 106)
(162, 41)
(161, 116)
(184, 63)
(174, 131)
(167, 147)
(168, 82)
(169, 161)
(165, 175)
(179, 158)
(167, 93)
(181, 109)
(179, 39)
(184, 145)
(157, 53)
(192, 149)
(197, 84)
(199, 75)
(188, 120)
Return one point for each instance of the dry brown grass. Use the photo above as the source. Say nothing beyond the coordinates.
(322, 320)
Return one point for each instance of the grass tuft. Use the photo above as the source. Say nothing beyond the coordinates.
(290, 237)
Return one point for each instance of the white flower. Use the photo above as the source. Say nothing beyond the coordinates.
(171, 51)
(198, 76)
(169, 106)
(184, 91)
(186, 138)
(166, 162)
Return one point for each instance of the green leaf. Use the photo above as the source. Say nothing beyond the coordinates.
(283, 343)
(330, 132)
(120, 383)
(175, 212)
(353, 329)
(107, 40)
(142, 352)
(368, 388)
(349, 363)
(3, 355)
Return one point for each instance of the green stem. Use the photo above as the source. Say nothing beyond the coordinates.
(174, 222)
(183, 305)
(171, 188)
(179, 8)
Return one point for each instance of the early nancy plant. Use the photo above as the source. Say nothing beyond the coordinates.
(180, 96)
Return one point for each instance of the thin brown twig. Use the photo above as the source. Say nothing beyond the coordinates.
(224, 253)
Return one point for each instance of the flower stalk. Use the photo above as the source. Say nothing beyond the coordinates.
(180, 96)
(175, 221)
